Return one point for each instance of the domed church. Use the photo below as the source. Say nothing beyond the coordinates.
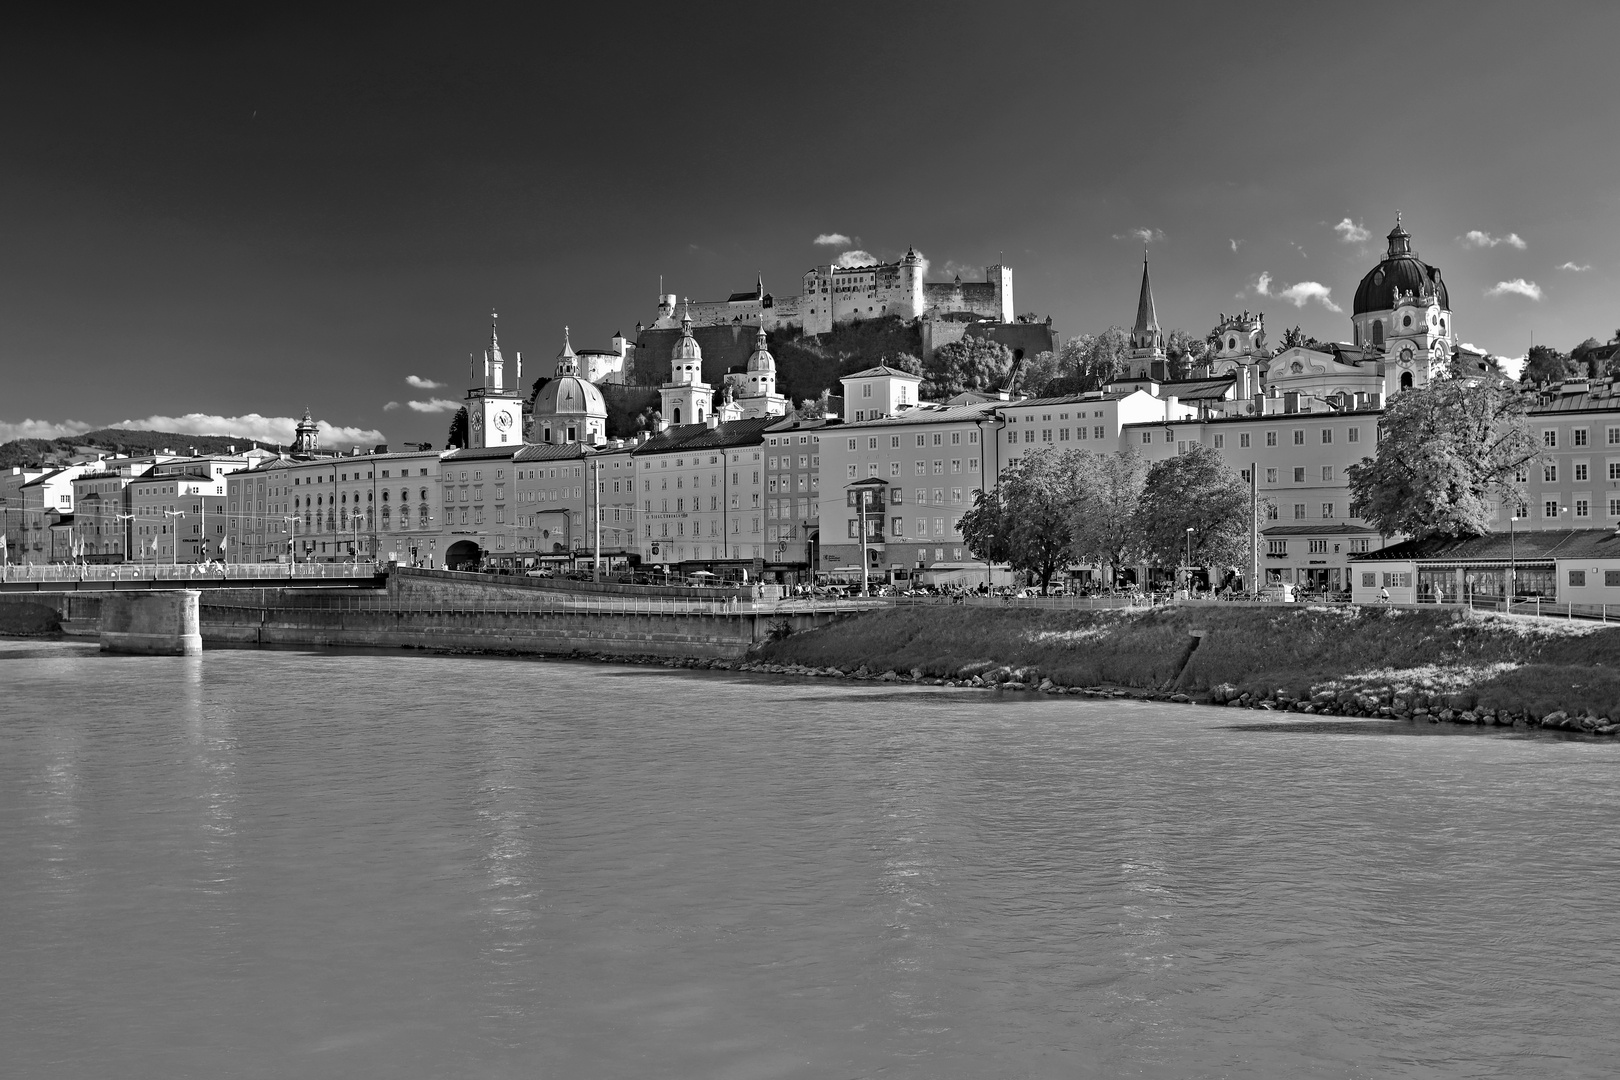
(568, 409)
(1402, 315)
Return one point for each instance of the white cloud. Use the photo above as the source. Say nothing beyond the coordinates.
(264, 429)
(1577, 269)
(1512, 366)
(391, 406)
(1302, 292)
(1262, 284)
(1143, 234)
(831, 239)
(423, 384)
(1235, 244)
(433, 405)
(43, 429)
(1517, 285)
(1351, 233)
(1476, 238)
(855, 258)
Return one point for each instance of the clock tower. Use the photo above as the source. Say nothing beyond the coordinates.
(494, 413)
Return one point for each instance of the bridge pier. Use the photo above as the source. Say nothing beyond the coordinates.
(156, 623)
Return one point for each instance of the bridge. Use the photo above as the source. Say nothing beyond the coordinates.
(20, 577)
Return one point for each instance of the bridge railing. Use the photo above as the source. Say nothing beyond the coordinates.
(543, 605)
(182, 572)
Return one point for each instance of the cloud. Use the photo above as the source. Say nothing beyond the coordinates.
(831, 239)
(1351, 233)
(423, 384)
(265, 429)
(1235, 244)
(1302, 292)
(391, 406)
(1262, 284)
(1143, 234)
(1512, 366)
(43, 429)
(1577, 269)
(1476, 238)
(856, 258)
(433, 405)
(1517, 285)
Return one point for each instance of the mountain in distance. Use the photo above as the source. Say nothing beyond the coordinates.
(113, 442)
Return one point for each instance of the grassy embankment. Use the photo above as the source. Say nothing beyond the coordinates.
(1461, 659)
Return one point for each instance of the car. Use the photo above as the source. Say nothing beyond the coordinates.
(542, 572)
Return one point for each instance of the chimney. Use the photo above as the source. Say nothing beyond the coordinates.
(1291, 401)
(713, 421)
(382, 448)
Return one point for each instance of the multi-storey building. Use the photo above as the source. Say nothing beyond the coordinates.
(45, 499)
(477, 495)
(103, 520)
(702, 492)
(180, 508)
(793, 493)
(552, 499)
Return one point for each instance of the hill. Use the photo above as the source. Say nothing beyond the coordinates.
(112, 441)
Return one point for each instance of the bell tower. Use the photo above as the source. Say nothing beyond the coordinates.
(494, 413)
(686, 398)
(1147, 343)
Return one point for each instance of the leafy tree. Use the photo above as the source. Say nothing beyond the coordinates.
(1088, 362)
(1196, 491)
(905, 362)
(1104, 522)
(1026, 520)
(967, 364)
(1038, 372)
(1581, 357)
(1546, 364)
(1184, 351)
(1445, 454)
(457, 439)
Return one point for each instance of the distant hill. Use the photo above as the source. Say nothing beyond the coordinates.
(112, 441)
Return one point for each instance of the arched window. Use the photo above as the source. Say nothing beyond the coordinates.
(677, 418)
(1378, 331)
(1406, 380)
(385, 495)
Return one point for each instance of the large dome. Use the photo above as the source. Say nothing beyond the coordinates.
(569, 395)
(1401, 270)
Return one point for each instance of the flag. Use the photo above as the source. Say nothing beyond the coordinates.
(154, 545)
(2, 547)
(222, 541)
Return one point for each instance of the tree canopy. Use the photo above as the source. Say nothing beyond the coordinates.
(1546, 364)
(1445, 454)
(1194, 490)
(1104, 514)
(1026, 519)
(457, 437)
(970, 363)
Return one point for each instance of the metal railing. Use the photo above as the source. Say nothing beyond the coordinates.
(546, 605)
(28, 572)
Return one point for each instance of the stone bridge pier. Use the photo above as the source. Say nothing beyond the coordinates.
(166, 623)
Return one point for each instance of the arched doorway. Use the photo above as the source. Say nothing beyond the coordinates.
(463, 555)
(1406, 380)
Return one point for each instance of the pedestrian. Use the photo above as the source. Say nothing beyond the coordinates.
(1383, 596)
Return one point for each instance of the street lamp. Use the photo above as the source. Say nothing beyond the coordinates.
(1189, 562)
(292, 542)
(174, 538)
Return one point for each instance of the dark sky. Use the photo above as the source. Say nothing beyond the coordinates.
(234, 216)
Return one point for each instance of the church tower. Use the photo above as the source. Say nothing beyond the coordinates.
(305, 440)
(1147, 343)
(760, 397)
(494, 413)
(687, 399)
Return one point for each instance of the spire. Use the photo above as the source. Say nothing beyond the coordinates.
(567, 362)
(686, 317)
(1147, 320)
(494, 339)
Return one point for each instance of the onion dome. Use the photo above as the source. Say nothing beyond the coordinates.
(1401, 272)
(761, 359)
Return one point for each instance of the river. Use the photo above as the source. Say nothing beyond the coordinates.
(271, 864)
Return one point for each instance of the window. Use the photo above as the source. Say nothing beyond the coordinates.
(852, 443)
(1611, 578)
(1246, 477)
(1369, 579)
(1147, 436)
(1401, 579)
(1299, 437)
(1549, 509)
(1271, 438)
(1220, 441)
(1243, 440)
(1577, 577)
(1271, 476)
(1549, 473)
(1580, 470)
(1169, 435)
(1327, 472)
(922, 440)
(1327, 510)
(1613, 436)
(1614, 507)
(1549, 438)
(1029, 435)
(1276, 547)
(894, 442)
(871, 442)
(1299, 475)
(1353, 435)
(1358, 545)
(1578, 437)
(1271, 511)
(1614, 470)
(1318, 547)
(1299, 511)
(1583, 508)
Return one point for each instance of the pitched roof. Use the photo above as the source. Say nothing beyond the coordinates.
(927, 414)
(473, 453)
(1146, 317)
(549, 451)
(1327, 528)
(881, 369)
(1541, 544)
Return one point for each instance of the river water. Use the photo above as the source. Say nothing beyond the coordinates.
(272, 864)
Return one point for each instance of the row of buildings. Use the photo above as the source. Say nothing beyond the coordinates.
(736, 480)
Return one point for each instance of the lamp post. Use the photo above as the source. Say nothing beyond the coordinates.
(1189, 562)
(174, 538)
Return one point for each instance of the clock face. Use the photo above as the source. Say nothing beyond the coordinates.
(503, 420)
(477, 420)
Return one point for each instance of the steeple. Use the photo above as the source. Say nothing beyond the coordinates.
(493, 364)
(1400, 241)
(567, 361)
(1147, 319)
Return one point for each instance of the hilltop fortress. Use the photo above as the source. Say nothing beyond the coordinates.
(839, 294)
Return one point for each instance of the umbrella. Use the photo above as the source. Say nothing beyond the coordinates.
(701, 573)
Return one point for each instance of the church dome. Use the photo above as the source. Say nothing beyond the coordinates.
(686, 350)
(569, 396)
(1400, 271)
(761, 358)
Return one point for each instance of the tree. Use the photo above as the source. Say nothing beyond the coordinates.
(1026, 520)
(1445, 454)
(1546, 364)
(457, 438)
(1037, 374)
(905, 362)
(1104, 523)
(969, 363)
(1196, 491)
(1184, 351)
(1583, 361)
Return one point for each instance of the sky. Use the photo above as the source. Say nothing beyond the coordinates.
(211, 219)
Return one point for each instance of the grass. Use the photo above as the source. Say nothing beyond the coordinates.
(1493, 661)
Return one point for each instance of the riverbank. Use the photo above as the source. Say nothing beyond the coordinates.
(1436, 665)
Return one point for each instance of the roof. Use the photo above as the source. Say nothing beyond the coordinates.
(1540, 544)
(1597, 397)
(1401, 269)
(1146, 317)
(1067, 399)
(1325, 529)
(734, 297)
(924, 414)
(549, 451)
(879, 371)
(702, 437)
(482, 453)
(1213, 389)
